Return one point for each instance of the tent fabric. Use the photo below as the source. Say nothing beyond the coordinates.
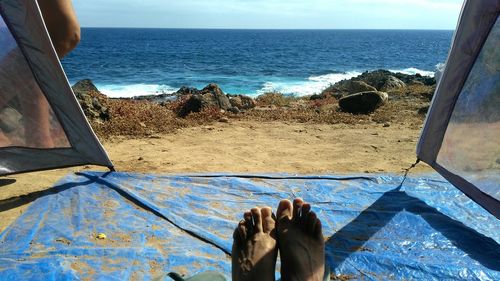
(41, 123)
(461, 136)
(375, 229)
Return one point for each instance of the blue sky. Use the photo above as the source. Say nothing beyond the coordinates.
(320, 14)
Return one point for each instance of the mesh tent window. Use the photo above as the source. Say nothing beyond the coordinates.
(461, 136)
(41, 123)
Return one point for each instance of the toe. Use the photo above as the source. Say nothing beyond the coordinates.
(267, 220)
(284, 211)
(240, 233)
(297, 208)
(317, 230)
(257, 219)
(310, 222)
(306, 208)
(247, 216)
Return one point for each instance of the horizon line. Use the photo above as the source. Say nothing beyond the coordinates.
(225, 28)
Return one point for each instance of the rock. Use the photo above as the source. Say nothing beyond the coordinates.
(378, 78)
(234, 110)
(363, 103)
(213, 96)
(224, 120)
(393, 83)
(242, 102)
(10, 119)
(387, 125)
(84, 87)
(423, 110)
(354, 87)
(192, 104)
(417, 83)
(93, 102)
(375, 78)
(348, 87)
(317, 97)
(209, 97)
(186, 91)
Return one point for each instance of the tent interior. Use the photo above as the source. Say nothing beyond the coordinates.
(377, 227)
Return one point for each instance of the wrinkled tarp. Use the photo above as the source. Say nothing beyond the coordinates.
(426, 229)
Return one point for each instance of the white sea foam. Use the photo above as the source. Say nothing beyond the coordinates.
(305, 87)
(413, 71)
(313, 85)
(133, 90)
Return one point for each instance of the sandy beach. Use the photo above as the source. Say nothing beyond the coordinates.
(272, 133)
(240, 147)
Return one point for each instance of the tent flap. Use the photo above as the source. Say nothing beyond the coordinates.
(461, 136)
(41, 122)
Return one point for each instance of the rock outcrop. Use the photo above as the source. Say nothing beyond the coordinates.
(242, 102)
(209, 97)
(354, 86)
(212, 97)
(93, 102)
(343, 88)
(393, 83)
(381, 80)
(363, 103)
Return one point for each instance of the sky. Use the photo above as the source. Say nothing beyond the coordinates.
(270, 14)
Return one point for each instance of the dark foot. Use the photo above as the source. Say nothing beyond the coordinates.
(302, 246)
(254, 247)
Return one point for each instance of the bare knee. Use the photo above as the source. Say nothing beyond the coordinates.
(65, 38)
(62, 24)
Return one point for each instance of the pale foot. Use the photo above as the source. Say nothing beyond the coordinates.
(254, 248)
(301, 243)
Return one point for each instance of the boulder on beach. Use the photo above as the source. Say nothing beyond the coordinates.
(345, 87)
(186, 91)
(393, 83)
(354, 87)
(209, 97)
(364, 102)
(213, 96)
(242, 102)
(93, 102)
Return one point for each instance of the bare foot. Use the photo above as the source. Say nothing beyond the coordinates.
(301, 243)
(254, 248)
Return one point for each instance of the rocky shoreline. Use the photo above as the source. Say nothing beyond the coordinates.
(370, 97)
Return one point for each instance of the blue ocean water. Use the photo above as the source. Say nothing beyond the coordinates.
(128, 62)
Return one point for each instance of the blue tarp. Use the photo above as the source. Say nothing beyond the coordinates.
(376, 229)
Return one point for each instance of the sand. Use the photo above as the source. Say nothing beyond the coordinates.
(240, 147)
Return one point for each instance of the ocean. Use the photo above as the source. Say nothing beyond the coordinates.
(125, 62)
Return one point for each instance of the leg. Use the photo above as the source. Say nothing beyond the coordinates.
(4, 141)
(254, 248)
(17, 81)
(302, 246)
(62, 24)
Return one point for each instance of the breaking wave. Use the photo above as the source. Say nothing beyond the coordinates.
(133, 90)
(296, 87)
